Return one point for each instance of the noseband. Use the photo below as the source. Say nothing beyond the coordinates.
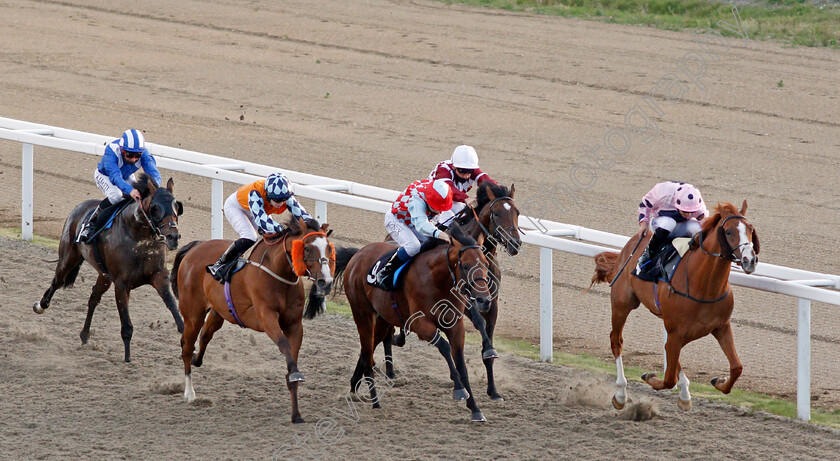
(158, 230)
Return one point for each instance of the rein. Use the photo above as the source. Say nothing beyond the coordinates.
(507, 230)
(289, 258)
(158, 233)
(461, 269)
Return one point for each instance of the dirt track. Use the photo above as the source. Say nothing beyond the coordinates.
(378, 92)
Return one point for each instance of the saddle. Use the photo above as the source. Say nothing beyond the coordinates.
(663, 264)
(113, 212)
(227, 270)
(392, 283)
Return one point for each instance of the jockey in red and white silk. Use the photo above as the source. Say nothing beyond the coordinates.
(461, 172)
(409, 222)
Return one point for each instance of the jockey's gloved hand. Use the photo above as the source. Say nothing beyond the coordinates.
(441, 227)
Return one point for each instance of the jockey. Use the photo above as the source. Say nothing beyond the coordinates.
(408, 222)
(461, 173)
(670, 208)
(249, 210)
(118, 163)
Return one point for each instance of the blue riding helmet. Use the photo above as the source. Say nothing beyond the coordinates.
(277, 187)
(132, 141)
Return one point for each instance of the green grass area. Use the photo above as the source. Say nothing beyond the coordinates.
(739, 398)
(751, 401)
(794, 22)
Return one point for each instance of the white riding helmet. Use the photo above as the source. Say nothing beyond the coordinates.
(465, 157)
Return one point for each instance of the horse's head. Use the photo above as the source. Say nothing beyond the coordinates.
(499, 215)
(163, 211)
(736, 237)
(471, 268)
(313, 254)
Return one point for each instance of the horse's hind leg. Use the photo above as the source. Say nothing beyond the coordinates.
(620, 310)
(126, 328)
(212, 323)
(69, 262)
(724, 336)
(389, 353)
(673, 346)
(164, 288)
(428, 331)
(99, 288)
(193, 321)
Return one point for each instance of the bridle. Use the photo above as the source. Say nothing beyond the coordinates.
(728, 257)
(322, 261)
(464, 288)
(158, 230)
(508, 230)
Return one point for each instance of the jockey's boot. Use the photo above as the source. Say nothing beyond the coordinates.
(91, 224)
(234, 251)
(657, 241)
(397, 260)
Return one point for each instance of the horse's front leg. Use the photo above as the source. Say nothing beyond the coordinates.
(164, 288)
(490, 319)
(289, 347)
(99, 288)
(456, 337)
(724, 336)
(428, 331)
(487, 350)
(121, 292)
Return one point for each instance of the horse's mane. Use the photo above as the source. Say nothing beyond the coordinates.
(484, 199)
(292, 226)
(712, 220)
(455, 232)
(141, 183)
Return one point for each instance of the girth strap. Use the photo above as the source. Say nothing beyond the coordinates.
(232, 309)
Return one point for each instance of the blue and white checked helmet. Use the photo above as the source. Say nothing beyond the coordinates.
(133, 141)
(277, 187)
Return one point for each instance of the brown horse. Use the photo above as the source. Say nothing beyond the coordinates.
(130, 254)
(698, 301)
(496, 218)
(439, 282)
(267, 294)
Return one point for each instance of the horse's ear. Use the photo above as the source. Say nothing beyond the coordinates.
(302, 225)
(169, 185)
(725, 249)
(324, 227)
(151, 184)
(756, 245)
(480, 239)
(512, 190)
(179, 208)
(490, 195)
(744, 208)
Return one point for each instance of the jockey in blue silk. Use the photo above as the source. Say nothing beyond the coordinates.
(119, 162)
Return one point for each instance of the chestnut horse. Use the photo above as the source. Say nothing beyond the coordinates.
(434, 291)
(130, 254)
(267, 294)
(696, 302)
(496, 218)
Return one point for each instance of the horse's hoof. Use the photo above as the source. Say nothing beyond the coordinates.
(460, 394)
(496, 397)
(37, 307)
(490, 354)
(684, 405)
(398, 340)
(84, 337)
(297, 420)
(196, 361)
(647, 376)
(189, 396)
(295, 377)
(617, 405)
(714, 381)
(477, 417)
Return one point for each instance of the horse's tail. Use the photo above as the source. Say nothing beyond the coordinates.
(173, 275)
(315, 304)
(605, 268)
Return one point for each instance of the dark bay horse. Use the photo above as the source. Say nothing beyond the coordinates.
(267, 294)
(496, 217)
(438, 284)
(696, 302)
(130, 254)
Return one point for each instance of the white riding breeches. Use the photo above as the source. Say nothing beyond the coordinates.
(404, 235)
(240, 219)
(688, 228)
(112, 192)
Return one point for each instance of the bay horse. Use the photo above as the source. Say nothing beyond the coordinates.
(496, 217)
(434, 292)
(130, 254)
(267, 294)
(696, 302)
